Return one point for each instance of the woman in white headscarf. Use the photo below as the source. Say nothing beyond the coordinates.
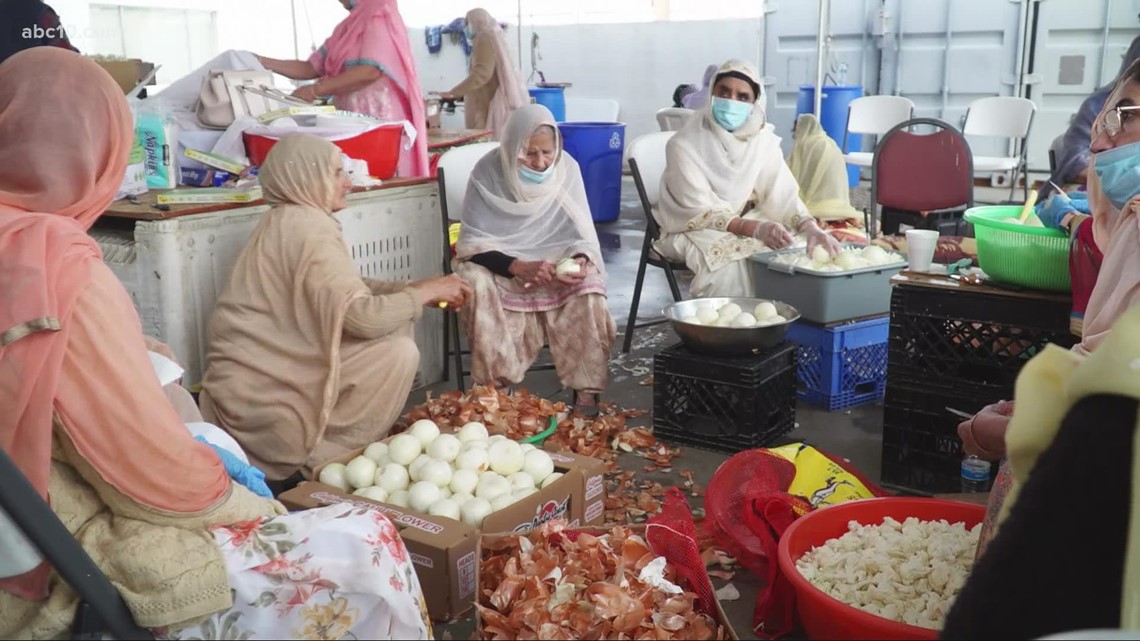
(528, 247)
(727, 193)
(493, 88)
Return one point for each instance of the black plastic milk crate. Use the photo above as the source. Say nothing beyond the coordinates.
(965, 339)
(724, 404)
(921, 449)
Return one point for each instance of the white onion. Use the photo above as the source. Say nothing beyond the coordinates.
(376, 450)
(422, 495)
(567, 266)
(527, 447)
(481, 444)
(374, 493)
(474, 511)
(473, 431)
(550, 479)
(417, 466)
(399, 498)
(496, 438)
(333, 474)
(743, 320)
(764, 310)
(360, 472)
(521, 481)
(502, 501)
(522, 494)
(404, 448)
(707, 315)
(538, 465)
(490, 487)
(445, 507)
(425, 431)
(506, 457)
(444, 448)
(777, 319)
(473, 459)
(820, 255)
(437, 473)
(445, 493)
(392, 477)
(464, 481)
(382, 460)
(692, 320)
(729, 312)
(462, 497)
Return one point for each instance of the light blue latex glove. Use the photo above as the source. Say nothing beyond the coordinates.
(1052, 211)
(240, 472)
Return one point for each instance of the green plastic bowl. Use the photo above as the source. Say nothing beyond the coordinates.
(1033, 257)
(538, 439)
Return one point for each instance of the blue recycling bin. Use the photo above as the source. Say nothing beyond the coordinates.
(833, 117)
(553, 98)
(598, 148)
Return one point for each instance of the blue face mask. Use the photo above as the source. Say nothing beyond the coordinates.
(730, 114)
(469, 34)
(1119, 173)
(535, 177)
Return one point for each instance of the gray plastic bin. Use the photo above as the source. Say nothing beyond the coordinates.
(825, 297)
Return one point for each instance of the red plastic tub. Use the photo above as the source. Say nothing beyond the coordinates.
(380, 148)
(824, 617)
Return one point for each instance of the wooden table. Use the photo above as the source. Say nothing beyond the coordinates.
(175, 263)
(955, 345)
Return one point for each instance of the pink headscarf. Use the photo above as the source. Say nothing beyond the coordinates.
(65, 134)
(1118, 282)
(374, 34)
(512, 92)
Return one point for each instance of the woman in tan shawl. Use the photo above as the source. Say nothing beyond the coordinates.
(525, 211)
(192, 554)
(307, 360)
(493, 88)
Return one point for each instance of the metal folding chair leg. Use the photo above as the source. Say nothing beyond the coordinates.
(631, 324)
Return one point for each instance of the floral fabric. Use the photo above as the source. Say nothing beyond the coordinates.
(337, 572)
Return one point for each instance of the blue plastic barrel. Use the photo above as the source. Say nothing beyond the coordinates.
(833, 117)
(553, 98)
(598, 148)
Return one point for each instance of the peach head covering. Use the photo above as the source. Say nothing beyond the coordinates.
(65, 134)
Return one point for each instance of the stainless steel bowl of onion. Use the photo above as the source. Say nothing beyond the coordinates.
(731, 326)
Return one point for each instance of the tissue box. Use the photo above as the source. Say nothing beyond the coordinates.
(134, 182)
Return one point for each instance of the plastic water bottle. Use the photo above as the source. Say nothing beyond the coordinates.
(975, 474)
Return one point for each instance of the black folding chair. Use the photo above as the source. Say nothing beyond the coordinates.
(101, 609)
(650, 148)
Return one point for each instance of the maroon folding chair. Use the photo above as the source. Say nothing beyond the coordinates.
(922, 180)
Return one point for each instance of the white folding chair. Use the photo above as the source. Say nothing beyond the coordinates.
(671, 118)
(874, 116)
(647, 164)
(592, 110)
(1002, 117)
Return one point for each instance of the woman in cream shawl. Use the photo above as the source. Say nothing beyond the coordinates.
(525, 211)
(1073, 513)
(193, 554)
(493, 88)
(307, 360)
(727, 193)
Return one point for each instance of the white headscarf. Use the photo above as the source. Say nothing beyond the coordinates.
(710, 169)
(512, 92)
(547, 221)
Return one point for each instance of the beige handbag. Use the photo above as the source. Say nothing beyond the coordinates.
(229, 95)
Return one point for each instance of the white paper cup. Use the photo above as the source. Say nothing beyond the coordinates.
(920, 246)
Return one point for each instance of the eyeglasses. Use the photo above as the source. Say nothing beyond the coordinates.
(1114, 120)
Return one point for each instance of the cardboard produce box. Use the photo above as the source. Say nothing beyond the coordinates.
(444, 549)
(482, 554)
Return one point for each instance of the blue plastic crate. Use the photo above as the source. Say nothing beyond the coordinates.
(841, 366)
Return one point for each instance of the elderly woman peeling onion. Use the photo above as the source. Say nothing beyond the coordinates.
(528, 247)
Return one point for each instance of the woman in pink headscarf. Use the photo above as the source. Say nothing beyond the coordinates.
(493, 88)
(367, 67)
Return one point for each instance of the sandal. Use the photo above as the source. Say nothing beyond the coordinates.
(587, 410)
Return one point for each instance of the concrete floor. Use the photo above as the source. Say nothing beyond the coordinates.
(854, 434)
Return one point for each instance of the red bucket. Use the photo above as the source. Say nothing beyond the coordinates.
(824, 617)
(380, 148)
